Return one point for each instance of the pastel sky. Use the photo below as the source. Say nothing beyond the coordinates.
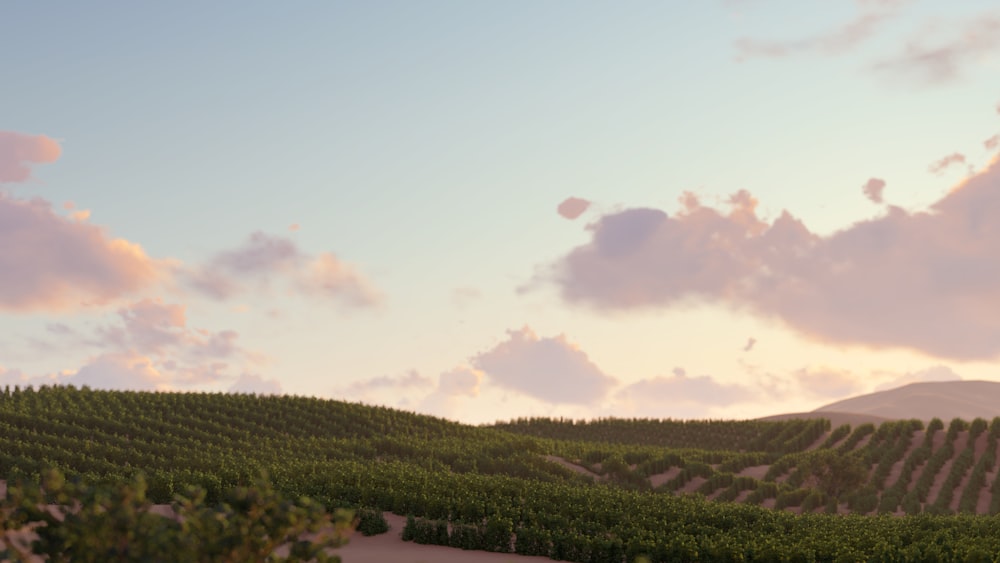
(479, 210)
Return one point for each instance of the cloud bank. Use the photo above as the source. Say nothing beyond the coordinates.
(927, 280)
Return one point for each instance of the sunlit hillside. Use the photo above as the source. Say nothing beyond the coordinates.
(604, 490)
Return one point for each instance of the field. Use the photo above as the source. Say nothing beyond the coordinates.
(600, 491)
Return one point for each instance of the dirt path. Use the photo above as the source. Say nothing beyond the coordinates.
(978, 451)
(896, 472)
(692, 485)
(661, 478)
(573, 467)
(986, 495)
(942, 475)
(755, 471)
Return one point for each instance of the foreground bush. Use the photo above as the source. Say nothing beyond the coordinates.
(99, 523)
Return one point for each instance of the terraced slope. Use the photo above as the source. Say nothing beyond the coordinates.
(601, 491)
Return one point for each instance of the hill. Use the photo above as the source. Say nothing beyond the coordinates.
(604, 490)
(944, 399)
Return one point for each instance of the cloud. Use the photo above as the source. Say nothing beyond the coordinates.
(873, 189)
(550, 369)
(159, 332)
(992, 143)
(264, 258)
(49, 263)
(19, 151)
(939, 166)
(943, 62)
(119, 370)
(408, 382)
(328, 276)
(573, 207)
(462, 297)
(827, 382)
(251, 383)
(461, 381)
(153, 327)
(927, 280)
(935, 373)
(750, 344)
(661, 396)
(871, 16)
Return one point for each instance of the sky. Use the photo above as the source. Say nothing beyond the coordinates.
(490, 210)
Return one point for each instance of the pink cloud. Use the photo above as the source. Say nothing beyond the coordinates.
(265, 258)
(461, 381)
(19, 151)
(50, 263)
(294, 227)
(551, 369)
(159, 331)
(120, 370)
(329, 276)
(943, 62)
(871, 17)
(573, 207)
(928, 281)
(992, 143)
(873, 189)
(940, 166)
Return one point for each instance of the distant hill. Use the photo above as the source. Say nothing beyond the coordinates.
(944, 399)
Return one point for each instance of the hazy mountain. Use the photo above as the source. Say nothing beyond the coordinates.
(943, 399)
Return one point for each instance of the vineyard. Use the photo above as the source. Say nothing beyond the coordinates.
(607, 490)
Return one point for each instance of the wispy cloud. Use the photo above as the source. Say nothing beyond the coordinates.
(935, 63)
(939, 166)
(872, 15)
(266, 259)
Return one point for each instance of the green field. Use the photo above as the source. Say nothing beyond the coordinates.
(564, 489)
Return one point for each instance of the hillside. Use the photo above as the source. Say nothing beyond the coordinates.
(601, 490)
(943, 399)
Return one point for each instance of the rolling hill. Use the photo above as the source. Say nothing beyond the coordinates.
(945, 400)
(603, 490)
